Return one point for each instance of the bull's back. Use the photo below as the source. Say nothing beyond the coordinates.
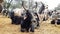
(18, 12)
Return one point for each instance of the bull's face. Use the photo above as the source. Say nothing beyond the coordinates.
(34, 18)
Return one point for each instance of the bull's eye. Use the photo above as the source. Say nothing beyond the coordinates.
(34, 21)
(34, 15)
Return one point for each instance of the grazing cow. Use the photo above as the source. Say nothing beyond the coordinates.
(35, 14)
(46, 13)
(35, 20)
(39, 10)
(55, 18)
(5, 12)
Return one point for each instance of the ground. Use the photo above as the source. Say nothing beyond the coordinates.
(45, 27)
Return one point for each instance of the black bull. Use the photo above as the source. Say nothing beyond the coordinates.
(25, 23)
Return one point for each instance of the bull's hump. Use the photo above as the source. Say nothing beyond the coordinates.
(18, 11)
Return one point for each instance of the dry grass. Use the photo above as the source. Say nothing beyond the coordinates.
(45, 27)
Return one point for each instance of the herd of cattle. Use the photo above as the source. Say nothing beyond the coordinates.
(28, 19)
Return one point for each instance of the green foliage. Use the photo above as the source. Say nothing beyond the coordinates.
(17, 3)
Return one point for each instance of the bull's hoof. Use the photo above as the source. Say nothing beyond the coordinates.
(22, 30)
(12, 23)
(31, 31)
(27, 30)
